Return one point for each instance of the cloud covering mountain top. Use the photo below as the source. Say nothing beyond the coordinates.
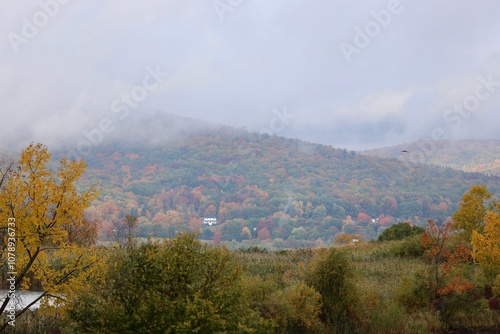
(351, 74)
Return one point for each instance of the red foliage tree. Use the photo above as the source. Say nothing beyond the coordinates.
(363, 217)
(263, 234)
(217, 236)
(446, 254)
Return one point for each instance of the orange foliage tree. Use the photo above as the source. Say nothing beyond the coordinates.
(447, 253)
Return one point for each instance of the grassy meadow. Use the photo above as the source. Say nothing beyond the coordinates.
(386, 282)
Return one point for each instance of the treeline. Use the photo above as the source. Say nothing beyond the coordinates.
(294, 193)
(479, 155)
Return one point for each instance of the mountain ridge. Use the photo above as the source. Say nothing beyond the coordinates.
(473, 155)
(285, 191)
(263, 189)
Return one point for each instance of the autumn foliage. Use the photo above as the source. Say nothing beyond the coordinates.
(184, 285)
(472, 211)
(486, 245)
(53, 239)
(308, 191)
(447, 254)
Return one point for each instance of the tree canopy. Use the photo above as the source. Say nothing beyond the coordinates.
(400, 231)
(472, 210)
(486, 245)
(175, 286)
(48, 237)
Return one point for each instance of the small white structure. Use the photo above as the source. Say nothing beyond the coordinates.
(210, 220)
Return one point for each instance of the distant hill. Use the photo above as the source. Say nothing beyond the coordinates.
(6, 156)
(264, 189)
(482, 156)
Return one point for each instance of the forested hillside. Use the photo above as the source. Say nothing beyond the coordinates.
(415, 280)
(266, 189)
(481, 156)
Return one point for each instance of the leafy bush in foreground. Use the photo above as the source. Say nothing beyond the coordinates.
(400, 231)
(178, 286)
(332, 276)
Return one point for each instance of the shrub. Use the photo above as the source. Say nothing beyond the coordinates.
(332, 276)
(173, 287)
(400, 231)
(294, 309)
(388, 317)
(409, 247)
(414, 292)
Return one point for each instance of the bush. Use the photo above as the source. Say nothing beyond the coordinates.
(415, 292)
(294, 309)
(332, 276)
(400, 231)
(388, 317)
(173, 287)
(410, 247)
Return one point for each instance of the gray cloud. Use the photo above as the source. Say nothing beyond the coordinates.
(425, 58)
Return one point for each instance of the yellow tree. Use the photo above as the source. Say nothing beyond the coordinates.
(470, 216)
(486, 245)
(48, 239)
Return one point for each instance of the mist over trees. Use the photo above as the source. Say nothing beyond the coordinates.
(285, 192)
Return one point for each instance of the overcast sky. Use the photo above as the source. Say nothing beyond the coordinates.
(354, 74)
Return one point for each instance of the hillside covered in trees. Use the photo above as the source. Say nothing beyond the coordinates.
(414, 280)
(264, 189)
(482, 156)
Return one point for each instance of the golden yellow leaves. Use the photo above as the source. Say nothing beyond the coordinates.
(51, 233)
(472, 211)
(486, 245)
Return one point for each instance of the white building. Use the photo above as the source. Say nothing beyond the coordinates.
(210, 220)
